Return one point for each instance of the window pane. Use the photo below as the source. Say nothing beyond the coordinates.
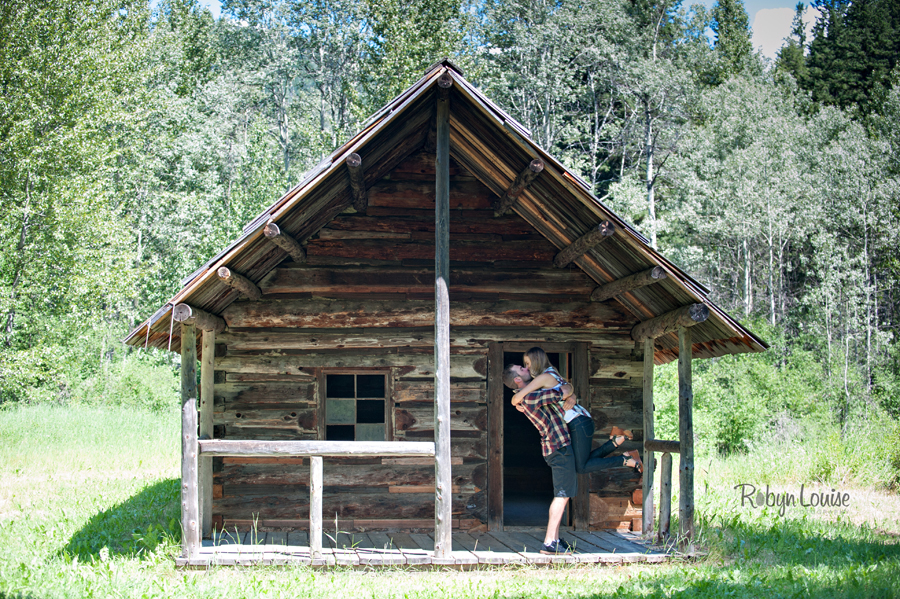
(340, 411)
(339, 433)
(370, 410)
(370, 432)
(370, 385)
(339, 385)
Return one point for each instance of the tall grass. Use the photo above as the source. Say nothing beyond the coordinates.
(89, 504)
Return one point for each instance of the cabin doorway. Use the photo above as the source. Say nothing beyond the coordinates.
(527, 480)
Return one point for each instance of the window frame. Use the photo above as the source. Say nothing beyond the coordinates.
(321, 377)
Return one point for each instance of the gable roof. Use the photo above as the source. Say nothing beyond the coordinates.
(494, 148)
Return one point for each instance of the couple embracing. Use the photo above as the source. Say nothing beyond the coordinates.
(566, 430)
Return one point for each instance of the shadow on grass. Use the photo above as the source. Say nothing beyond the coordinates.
(133, 527)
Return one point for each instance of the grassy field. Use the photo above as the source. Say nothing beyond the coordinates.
(89, 507)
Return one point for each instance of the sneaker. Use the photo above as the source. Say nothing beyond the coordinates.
(556, 547)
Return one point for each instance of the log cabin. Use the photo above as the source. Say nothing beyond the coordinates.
(366, 316)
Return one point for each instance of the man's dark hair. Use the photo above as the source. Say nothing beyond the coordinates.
(509, 376)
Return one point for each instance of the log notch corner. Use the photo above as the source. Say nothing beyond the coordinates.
(583, 244)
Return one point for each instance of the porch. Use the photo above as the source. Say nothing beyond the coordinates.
(378, 549)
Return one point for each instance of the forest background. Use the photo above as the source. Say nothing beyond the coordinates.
(137, 139)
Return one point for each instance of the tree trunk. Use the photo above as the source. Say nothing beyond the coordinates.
(648, 142)
(20, 263)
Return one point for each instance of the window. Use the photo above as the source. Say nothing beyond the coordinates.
(355, 407)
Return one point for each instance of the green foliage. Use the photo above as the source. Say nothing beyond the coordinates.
(406, 39)
(731, 26)
(854, 48)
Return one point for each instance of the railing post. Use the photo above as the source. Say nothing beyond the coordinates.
(315, 506)
(685, 436)
(207, 387)
(665, 496)
(647, 483)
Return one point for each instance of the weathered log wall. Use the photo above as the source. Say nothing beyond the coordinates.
(363, 301)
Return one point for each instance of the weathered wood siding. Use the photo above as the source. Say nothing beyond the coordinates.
(364, 301)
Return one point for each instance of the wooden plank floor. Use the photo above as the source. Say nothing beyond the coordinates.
(415, 550)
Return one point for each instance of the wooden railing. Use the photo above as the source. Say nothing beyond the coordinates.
(195, 448)
(665, 481)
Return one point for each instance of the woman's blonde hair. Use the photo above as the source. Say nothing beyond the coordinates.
(539, 361)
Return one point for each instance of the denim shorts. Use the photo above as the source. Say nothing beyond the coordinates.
(562, 465)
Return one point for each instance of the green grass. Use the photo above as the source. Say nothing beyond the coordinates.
(89, 507)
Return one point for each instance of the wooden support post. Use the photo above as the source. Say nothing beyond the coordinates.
(686, 435)
(683, 317)
(207, 390)
(495, 437)
(242, 284)
(580, 246)
(188, 315)
(581, 379)
(315, 506)
(190, 507)
(357, 182)
(647, 482)
(626, 284)
(274, 234)
(665, 497)
(519, 185)
(443, 498)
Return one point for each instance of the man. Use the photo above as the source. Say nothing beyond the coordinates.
(543, 410)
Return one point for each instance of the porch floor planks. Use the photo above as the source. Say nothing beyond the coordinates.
(587, 552)
(625, 553)
(485, 555)
(530, 547)
(384, 549)
(412, 553)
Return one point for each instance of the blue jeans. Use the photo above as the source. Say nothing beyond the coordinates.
(581, 430)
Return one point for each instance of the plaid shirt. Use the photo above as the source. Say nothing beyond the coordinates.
(543, 410)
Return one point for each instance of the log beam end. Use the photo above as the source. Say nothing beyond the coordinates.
(686, 316)
(583, 244)
(354, 160)
(187, 314)
(290, 245)
(240, 283)
(357, 182)
(518, 186)
(629, 283)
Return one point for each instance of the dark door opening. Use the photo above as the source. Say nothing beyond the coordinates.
(527, 481)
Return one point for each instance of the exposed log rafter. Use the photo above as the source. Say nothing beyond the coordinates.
(274, 234)
(518, 186)
(189, 315)
(626, 284)
(686, 316)
(357, 182)
(240, 283)
(583, 244)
